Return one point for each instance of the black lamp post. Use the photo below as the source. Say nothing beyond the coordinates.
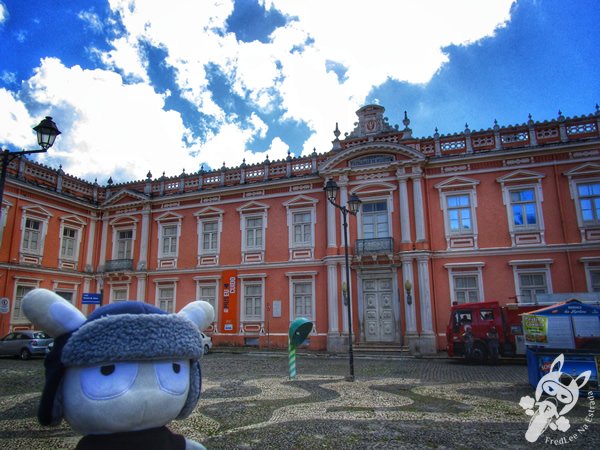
(332, 189)
(46, 134)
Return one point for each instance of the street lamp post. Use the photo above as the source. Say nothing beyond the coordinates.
(46, 134)
(331, 190)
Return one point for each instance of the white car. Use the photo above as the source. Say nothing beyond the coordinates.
(206, 343)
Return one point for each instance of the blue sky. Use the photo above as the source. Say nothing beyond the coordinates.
(138, 86)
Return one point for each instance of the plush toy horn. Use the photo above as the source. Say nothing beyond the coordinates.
(51, 313)
(200, 313)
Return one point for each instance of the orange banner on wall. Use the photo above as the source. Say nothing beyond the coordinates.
(229, 300)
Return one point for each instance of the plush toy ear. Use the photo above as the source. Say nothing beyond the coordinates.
(201, 313)
(558, 361)
(50, 312)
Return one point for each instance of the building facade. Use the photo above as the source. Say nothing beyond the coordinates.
(504, 214)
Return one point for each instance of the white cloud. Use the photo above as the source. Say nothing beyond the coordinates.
(118, 130)
(121, 129)
(15, 123)
(3, 13)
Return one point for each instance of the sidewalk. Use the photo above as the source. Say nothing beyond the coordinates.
(249, 402)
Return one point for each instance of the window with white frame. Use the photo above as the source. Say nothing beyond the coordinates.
(119, 293)
(32, 236)
(588, 194)
(165, 297)
(68, 245)
(531, 283)
(20, 292)
(594, 276)
(466, 282)
(124, 244)
(254, 233)
(253, 300)
(208, 293)
(209, 231)
(459, 213)
(466, 288)
(67, 295)
(169, 237)
(302, 299)
(302, 229)
(523, 208)
(375, 220)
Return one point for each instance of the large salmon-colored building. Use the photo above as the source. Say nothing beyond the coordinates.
(505, 214)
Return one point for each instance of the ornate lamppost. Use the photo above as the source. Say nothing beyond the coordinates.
(331, 190)
(46, 134)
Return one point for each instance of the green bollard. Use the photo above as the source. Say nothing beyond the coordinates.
(299, 331)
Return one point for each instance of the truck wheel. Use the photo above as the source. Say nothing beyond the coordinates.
(479, 353)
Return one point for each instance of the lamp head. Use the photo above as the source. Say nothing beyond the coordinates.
(354, 204)
(331, 189)
(46, 133)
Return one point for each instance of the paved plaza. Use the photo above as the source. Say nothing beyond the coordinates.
(249, 402)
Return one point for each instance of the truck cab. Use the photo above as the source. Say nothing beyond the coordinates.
(481, 317)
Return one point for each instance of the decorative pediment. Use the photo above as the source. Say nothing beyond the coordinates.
(373, 188)
(519, 176)
(36, 211)
(209, 211)
(456, 183)
(372, 155)
(125, 197)
(300, 200)
(169, 217)
(73, 220)
(123, 220)
(585, 170)
(253, 207)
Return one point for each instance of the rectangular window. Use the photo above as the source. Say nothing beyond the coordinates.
(303, 304)
(209, 236)
(124, 244)
(119, 294)
(523, 206)
(166, 298)
(31, 236)
(169, 240)
(459, 213)
(466, 288)
(20, 293)
(531, 284)
(589, 202)
(69, 243)
(302, 228)
(67, 295)
(254, 232)
(595, 280)
(208, 293)
(375, 220)
(253, 301)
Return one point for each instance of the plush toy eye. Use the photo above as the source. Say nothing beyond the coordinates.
(108, 381)
(173, 376)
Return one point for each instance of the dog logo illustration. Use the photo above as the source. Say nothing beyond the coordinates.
(556, 394)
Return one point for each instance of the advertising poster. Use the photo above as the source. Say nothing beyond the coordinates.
(536, 329)
(229, 301)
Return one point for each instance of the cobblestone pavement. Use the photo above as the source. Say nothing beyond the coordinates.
(395, 402)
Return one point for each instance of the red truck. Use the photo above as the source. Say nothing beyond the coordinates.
(481, 317)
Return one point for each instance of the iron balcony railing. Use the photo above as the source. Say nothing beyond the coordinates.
(377, 246)
(118, 265)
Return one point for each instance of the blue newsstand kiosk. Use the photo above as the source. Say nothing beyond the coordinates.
(571, 328)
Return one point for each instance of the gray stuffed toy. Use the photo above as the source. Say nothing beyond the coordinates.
(119, 376)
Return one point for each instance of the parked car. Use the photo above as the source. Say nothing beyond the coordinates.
(206, 343)
(25, 344)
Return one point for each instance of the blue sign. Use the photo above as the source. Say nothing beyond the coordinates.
(89, 298)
